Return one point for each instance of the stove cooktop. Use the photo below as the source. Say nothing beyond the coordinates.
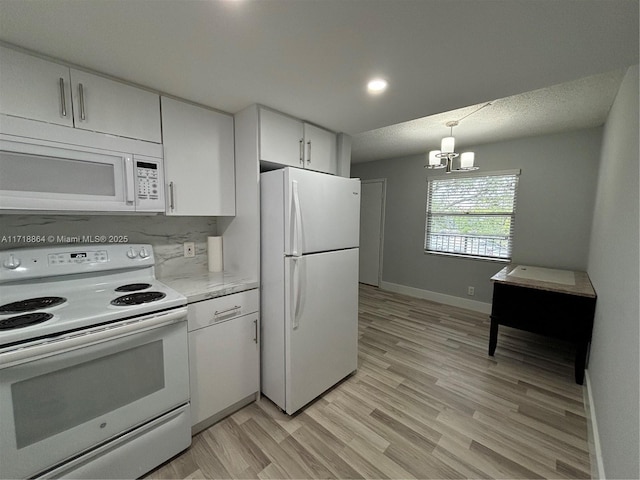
(44, 302)
(24, 320)
(138, 298)
(31, 304)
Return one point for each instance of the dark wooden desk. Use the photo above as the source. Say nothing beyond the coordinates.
(553, 309)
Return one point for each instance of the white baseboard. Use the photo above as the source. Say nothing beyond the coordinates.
(474, 305)
(594, 437)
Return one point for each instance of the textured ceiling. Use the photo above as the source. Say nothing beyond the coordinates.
(312, 58)
(572, 105)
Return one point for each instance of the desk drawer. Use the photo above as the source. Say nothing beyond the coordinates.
(221, 309)
(559, 315)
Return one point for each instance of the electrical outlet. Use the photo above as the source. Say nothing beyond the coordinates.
(471, 291)
(189, 249)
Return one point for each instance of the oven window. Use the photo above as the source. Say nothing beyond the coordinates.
(52, 403)
(34, 173)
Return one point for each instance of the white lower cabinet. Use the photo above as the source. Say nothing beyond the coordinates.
(224, 356)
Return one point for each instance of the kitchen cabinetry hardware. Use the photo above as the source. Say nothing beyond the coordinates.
(302, 151)
(255, 327)
(63, 100)
(171, 202)
(81, 95)
(222, 312)
(309, 152)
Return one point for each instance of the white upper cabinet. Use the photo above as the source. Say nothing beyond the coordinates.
(199, 160)
(38, 89)
(285, 140)
(107, 106)
(320, 149)
(34, 88)
(281, 139)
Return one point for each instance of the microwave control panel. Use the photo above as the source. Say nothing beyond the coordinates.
(148, 186)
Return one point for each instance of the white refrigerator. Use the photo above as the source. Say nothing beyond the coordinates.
(310, 227)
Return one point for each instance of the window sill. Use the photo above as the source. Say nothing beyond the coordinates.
(468, 257)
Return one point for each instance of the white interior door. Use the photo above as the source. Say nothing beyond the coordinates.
(371, 230)
(321, 331)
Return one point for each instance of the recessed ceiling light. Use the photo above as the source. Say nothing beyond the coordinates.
(377, 86)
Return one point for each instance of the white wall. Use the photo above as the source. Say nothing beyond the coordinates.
(614, 270)
(553, 214)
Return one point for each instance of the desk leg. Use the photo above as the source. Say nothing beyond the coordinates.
(493, 336)
(581, 359)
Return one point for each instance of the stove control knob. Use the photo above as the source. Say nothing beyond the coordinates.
(131, 253)
(12, 262)
(144, 253)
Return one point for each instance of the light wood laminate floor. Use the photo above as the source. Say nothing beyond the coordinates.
(426, 402)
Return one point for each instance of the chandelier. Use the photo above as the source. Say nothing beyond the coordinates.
(444, 157)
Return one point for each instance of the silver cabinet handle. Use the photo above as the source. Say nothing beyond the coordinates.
(228, 310)
(302, 151)
(171, 203)
(255, 335)
(63, 100)
(309, 151)
(81, 95)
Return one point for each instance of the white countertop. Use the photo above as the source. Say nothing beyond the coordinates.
(202, 286)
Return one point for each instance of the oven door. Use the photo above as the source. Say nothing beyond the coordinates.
(69, 395)
(43, 175)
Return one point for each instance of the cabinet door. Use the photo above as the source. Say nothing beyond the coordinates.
(320, 149)
(281, 139)
(224, 365)
(34, 88)
(107, 106)
(199, 160)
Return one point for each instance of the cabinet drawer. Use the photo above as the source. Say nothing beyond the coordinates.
(216, 310)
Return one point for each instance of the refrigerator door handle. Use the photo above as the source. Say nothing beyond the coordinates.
(296, 238)
(295, 322)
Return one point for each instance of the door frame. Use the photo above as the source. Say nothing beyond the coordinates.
(383, 208)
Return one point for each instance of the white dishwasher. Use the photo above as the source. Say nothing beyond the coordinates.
(224, 356)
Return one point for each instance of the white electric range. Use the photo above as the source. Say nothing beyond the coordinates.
(93, 363)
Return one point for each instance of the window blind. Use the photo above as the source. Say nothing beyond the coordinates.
(471, 216)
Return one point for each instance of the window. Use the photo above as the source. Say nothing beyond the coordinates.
(471, 216)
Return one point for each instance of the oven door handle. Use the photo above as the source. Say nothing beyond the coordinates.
(84, 338)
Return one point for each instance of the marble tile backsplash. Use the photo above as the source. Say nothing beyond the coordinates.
(165, 234)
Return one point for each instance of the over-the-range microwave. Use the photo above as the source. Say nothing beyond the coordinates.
(96, 173)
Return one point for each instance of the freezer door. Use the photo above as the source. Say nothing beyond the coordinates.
(321, 327)
(322, 212)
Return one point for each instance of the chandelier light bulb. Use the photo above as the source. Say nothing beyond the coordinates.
(466, 160)
(448, 145)
(433, 157)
